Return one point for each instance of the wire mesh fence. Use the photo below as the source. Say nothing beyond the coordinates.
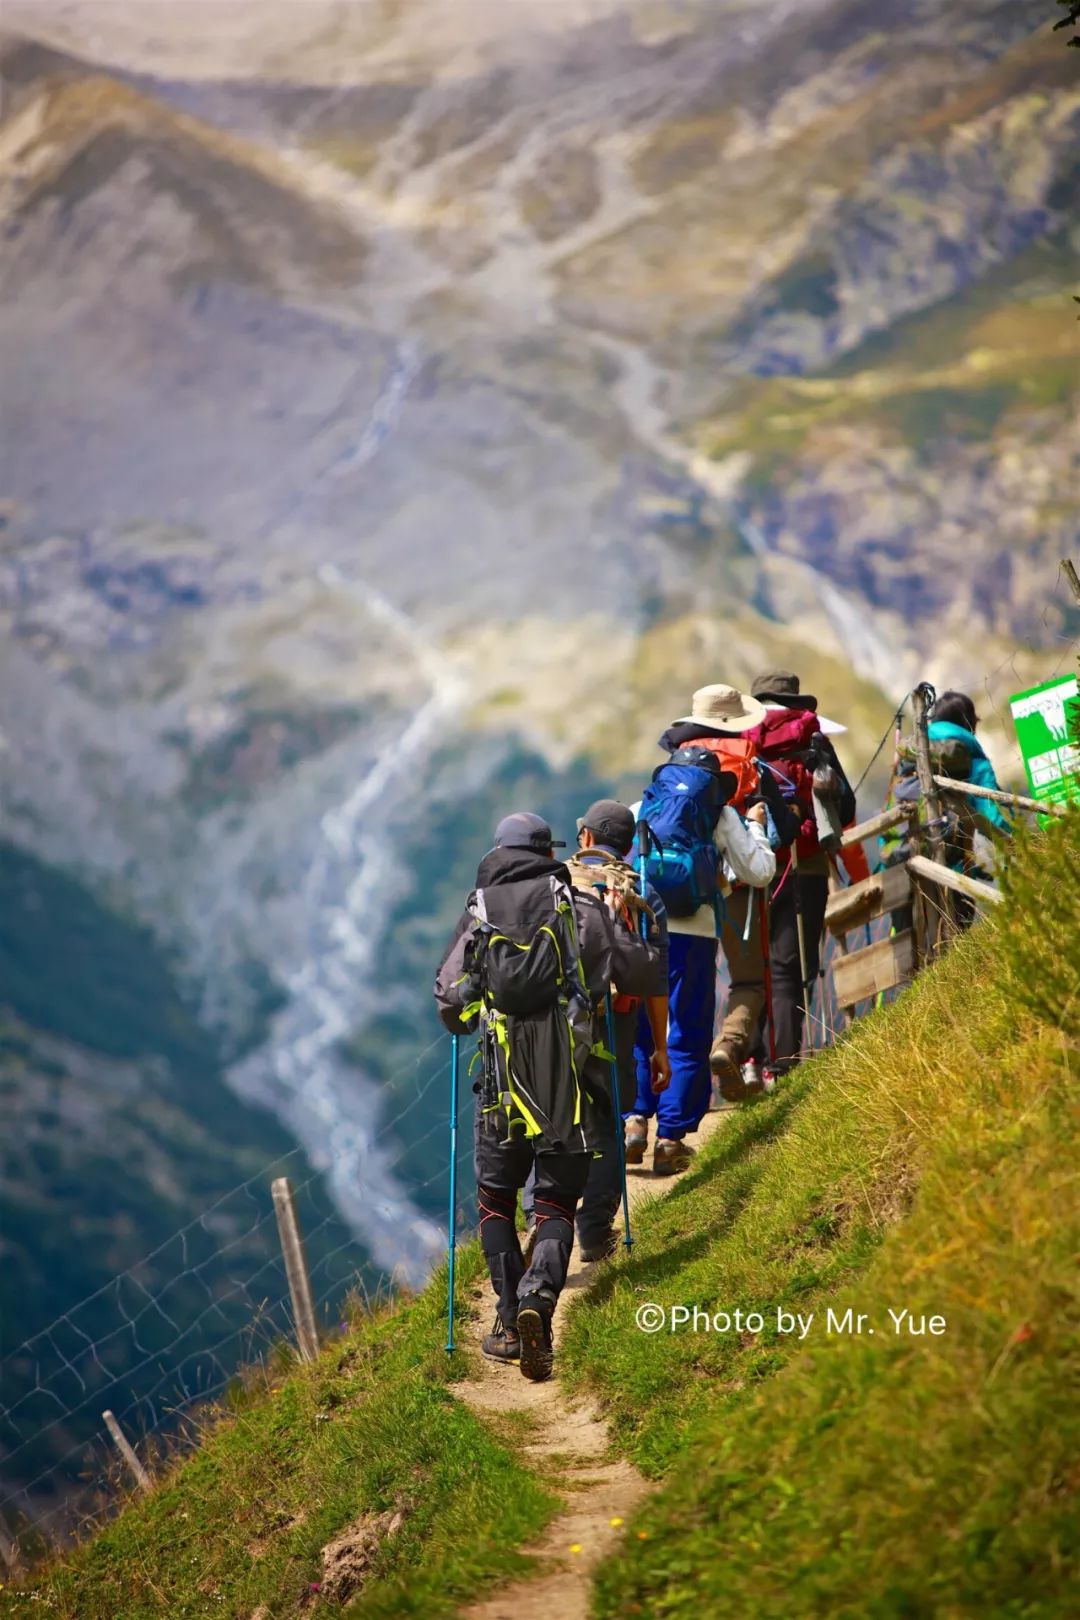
(197, 1319)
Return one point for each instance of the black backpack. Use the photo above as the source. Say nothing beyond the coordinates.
(524, 955)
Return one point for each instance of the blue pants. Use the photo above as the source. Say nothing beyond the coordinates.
(691, 1019)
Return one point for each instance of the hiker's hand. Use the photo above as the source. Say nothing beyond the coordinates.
(756, 813)
(660, 1064)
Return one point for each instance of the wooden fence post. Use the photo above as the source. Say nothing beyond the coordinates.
(123, 1446)
(1073, 578)
(921, 699)
(292, 1248)
(920, 703)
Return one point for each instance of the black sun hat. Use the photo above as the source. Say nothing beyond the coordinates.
(781, 686)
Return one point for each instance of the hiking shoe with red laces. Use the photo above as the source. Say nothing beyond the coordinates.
(534, 1332)
(753, 1079)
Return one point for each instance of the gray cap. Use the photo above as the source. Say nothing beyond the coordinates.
(523, 830)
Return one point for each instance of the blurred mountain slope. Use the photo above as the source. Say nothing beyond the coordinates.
(405, 406)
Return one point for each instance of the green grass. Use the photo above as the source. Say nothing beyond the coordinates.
(372, 1427)
(929, 1163)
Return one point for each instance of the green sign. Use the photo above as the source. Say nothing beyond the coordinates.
(1045, 718)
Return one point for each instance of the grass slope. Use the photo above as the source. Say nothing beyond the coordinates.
(237, 1528)
(927, 1163)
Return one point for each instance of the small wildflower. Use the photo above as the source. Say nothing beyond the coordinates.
(575, 1546)
(616, 1522)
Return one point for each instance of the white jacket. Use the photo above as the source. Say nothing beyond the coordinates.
(747, 858)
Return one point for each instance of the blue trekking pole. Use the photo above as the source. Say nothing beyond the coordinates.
(452, 1237)
(616, 1102)
(643, 856)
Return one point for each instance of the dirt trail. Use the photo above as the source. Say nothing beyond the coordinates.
(570, 1445)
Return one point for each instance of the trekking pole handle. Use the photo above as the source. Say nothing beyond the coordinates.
(643, 856)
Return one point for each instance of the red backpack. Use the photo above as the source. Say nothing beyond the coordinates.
(780, 739)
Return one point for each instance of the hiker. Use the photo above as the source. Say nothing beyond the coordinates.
(528, 963)
(605, 836)
(697, 846)
(791, 740)
(951, 732)
(955, 751)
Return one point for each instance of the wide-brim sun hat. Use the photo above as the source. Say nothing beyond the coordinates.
(723, 708)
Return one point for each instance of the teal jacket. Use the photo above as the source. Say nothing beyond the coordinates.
(982, 772)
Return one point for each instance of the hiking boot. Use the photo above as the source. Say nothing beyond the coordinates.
(727, 1072)
(534, 1331)
(753, 1079)
(768, 1080)
(671, 1157)
(637, 1138)
(601, 1248)
(502, 1343)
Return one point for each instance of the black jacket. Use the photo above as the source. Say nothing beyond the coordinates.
(539, 1082)
(517, 876)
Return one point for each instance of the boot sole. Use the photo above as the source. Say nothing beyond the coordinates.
(729, 1078)
(635, 1155)
(724, 1068)
(537, 1360)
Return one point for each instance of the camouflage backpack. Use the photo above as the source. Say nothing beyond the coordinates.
(593, 871)
(608, 872)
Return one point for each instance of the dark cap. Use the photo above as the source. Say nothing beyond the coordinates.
(523, 830)
(612, 823)
(781, 686)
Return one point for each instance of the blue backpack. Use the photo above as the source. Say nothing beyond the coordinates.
(680, 810)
